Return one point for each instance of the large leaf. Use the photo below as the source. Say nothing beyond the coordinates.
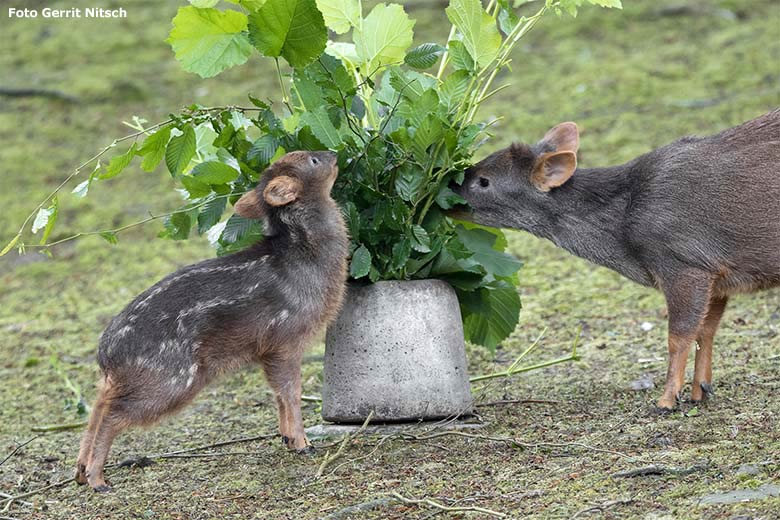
(480, 242)
(361, 262)
(263, 149)
(177, 225)
(292, 29)
(340, 15)
(180, 151)
(490, 314)
(480, 34)
(424, 56)
(214, 172)
(119, 163)
(208, 41)
(45, 219)
(153, 149)
(249, 5)
(322, 127)
(210, 213)
(384, 36)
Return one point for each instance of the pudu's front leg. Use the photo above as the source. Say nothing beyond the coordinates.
(283, 372)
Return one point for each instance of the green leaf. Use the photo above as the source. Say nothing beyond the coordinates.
(249, 5)
(430, 131)
(480, 242)
(490, 314)
(340, 15)
(607, 3)
(461, 59)
(385, 35)
(153, 149)
(45, 219)
(446, 198)
(422, 242)
(480, 34)
(239, 228)
(322, 127)
(10, 245)
(263, 149)
(194, 187)
(214, 172)
(454, 88)
(204, 3)
(208, 41)
(408, 183)
(180, 151)
(401, 252)
(210, 213)
(177, 226)
(361, 262)
(110, 237)
(293, 29)
(119, 163)
(424, 56)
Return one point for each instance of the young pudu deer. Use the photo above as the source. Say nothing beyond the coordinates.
(698, 219)
(261, 305)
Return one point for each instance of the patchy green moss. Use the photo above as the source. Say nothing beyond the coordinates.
(632, 80)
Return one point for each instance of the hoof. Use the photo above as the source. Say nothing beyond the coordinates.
(102, 488)
(81, 475)
(662, 411)
(704, 392)
(308, 450)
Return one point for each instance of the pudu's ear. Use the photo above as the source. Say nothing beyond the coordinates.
(282, 190)
(555, 168)
(248, 206)
(563, 137)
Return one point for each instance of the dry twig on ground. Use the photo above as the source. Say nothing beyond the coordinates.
(442, 507)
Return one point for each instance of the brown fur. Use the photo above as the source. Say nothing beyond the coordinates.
(260, 306)
(698, 219)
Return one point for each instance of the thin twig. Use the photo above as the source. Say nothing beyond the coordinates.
(59, 427)
(330, 458)
(136, 135)
(442, 507)
(517, 401)
(13, 499)
(19, 447)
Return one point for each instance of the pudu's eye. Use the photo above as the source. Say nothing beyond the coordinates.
(484, 182)
(314, 161)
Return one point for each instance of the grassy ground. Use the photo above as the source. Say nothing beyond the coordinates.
(633, 80)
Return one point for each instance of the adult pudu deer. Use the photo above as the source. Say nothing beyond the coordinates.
(698, 219)
(261, 305)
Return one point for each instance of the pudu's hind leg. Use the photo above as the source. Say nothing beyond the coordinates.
(283, 372)
(104, 425)
(702, 374)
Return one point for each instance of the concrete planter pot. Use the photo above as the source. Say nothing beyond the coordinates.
(397, 348)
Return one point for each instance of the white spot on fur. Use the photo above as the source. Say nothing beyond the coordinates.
(124, 331)
(193, 272)
(192, 371)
